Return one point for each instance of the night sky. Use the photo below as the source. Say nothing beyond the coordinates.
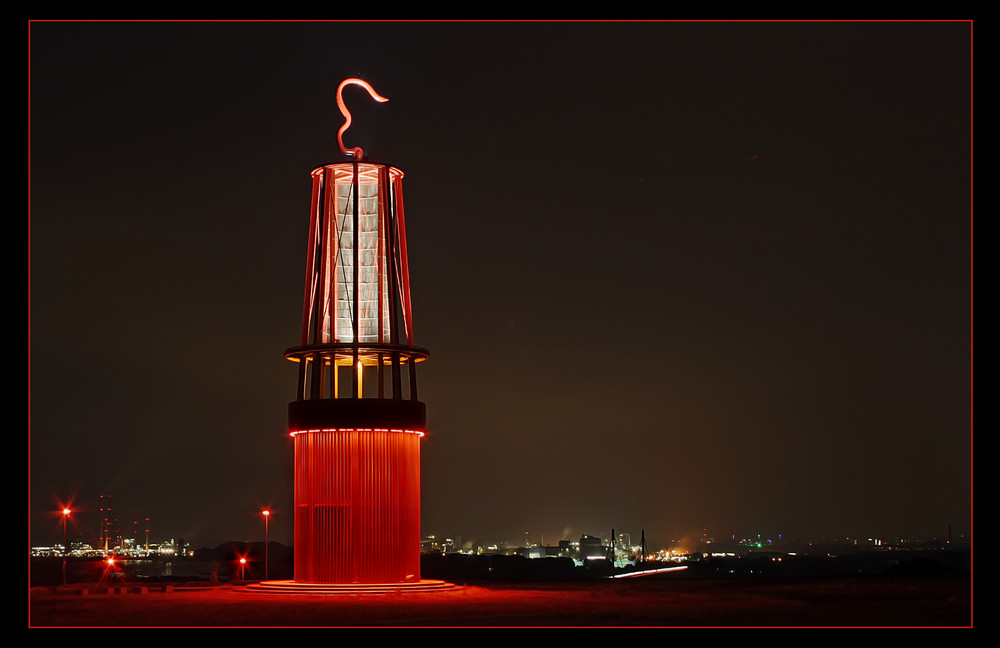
(672, 276)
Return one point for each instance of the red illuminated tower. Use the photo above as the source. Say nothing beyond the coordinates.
(356, 420)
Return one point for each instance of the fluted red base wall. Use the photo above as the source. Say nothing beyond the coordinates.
(357, 506)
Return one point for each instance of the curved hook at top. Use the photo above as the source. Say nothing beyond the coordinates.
(357, 151)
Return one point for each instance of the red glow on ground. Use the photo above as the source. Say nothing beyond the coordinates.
(663, 601)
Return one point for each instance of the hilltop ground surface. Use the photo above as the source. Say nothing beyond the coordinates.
(852, 602)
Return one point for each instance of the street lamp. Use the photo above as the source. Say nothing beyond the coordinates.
(66, 513)
(267, 516)
(243, 566)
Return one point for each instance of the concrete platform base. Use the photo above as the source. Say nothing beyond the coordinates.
(296, 587)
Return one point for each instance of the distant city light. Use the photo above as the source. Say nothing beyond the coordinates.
(648, 572)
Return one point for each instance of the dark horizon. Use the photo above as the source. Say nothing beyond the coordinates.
(672, 276)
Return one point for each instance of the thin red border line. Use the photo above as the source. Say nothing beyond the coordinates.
(29, 323)
(489, 20)
(972, 452)
(880, 20)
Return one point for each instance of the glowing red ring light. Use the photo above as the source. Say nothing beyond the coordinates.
(395, 430)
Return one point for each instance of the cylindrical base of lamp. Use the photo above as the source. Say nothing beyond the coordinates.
(357, 505)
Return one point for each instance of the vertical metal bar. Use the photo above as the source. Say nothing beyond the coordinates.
(336, 378)
(397, 379)
(309, 299)
(333, 239)
(300, 394)
(320, 302)
(322, 333)
(413, 378)
(381, 376)
(404, 266)
(323, 382)
(383, 183)
(316, 308)
(393, 278)
(357, 276)
(316, 385)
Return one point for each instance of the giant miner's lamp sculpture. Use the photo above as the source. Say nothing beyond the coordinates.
(356, 421)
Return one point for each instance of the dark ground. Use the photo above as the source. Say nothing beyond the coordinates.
(926, 601)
